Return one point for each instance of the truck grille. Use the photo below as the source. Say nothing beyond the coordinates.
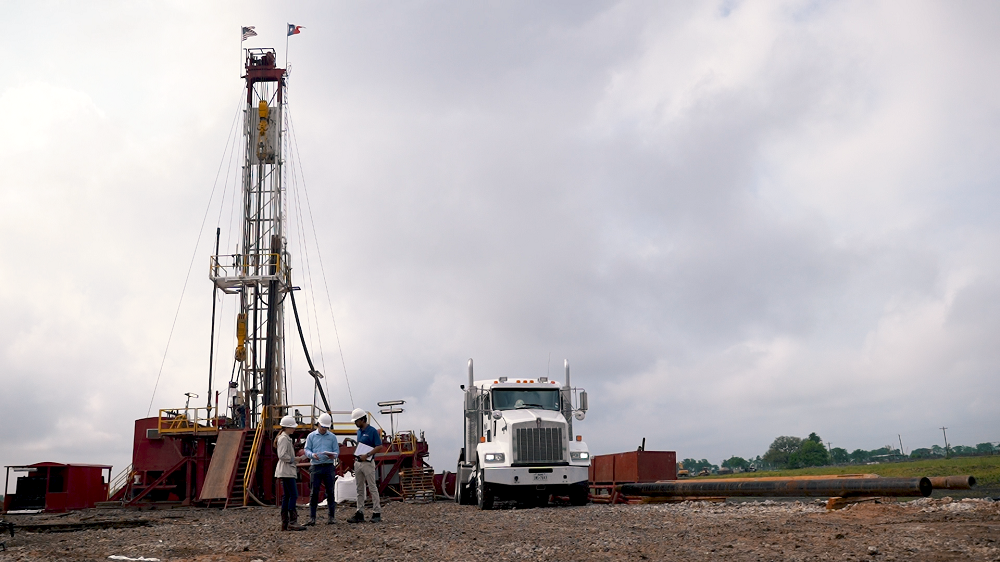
(543, 444)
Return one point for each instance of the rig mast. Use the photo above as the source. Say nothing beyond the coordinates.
(259, 272)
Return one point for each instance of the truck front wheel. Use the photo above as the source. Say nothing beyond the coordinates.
(484, 495)
(579, 494)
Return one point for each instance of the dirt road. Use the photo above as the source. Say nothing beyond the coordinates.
(925, 529)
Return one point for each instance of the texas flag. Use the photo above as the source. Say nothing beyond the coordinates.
(295, 29)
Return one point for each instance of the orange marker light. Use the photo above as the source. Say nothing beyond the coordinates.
(532, 382)
(578, 438)
(483, 439)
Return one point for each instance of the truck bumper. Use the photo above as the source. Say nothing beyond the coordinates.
(535, 475)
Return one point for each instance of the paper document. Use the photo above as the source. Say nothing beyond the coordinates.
(362, 449)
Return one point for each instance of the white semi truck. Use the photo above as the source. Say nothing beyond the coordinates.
(519, 442)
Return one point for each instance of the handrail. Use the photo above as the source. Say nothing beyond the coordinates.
(180, 420)
(123, 479)
(405, 443)
(310, 414)
(245, 266)
(251, 468)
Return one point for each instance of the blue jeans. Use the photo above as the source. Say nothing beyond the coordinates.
(289, 494)
(321, 475)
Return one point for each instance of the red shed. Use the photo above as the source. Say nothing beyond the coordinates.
(55, 486)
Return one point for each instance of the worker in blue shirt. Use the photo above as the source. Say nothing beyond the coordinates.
(322, 451)
(364, 467)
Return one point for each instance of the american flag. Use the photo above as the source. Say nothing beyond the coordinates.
(248, 32)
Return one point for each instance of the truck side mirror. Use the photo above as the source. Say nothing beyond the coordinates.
(583, 400)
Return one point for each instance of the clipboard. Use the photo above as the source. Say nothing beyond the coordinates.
(362, 449)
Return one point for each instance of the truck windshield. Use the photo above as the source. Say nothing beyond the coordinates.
(516, 399)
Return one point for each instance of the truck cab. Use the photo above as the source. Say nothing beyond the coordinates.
(520, 444)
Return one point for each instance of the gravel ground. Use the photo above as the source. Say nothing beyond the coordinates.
(925, 529)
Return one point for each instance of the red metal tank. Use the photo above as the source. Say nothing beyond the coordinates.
(58, 487)
(633, 467)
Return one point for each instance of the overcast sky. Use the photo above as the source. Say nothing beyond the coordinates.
(737, 220)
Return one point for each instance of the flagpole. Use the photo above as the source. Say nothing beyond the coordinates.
(287, 35)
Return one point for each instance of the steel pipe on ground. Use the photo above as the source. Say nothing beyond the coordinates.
(835, 487)
(952, 482)
(776, 478)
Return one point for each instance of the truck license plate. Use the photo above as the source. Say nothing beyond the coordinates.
(539, 477)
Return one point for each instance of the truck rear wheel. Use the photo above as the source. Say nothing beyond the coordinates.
(484, 495)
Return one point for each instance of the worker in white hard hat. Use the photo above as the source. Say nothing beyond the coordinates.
(287, 473)
(369, 443)
(322, 450)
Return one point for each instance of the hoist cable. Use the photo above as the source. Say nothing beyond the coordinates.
(194, 255)
(319, 254)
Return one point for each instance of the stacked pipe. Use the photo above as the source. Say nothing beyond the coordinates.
(953, 482)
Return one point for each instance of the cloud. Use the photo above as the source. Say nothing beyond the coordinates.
(737, 221)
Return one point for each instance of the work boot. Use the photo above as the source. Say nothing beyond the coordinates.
(284, 520)
(310, 522)
(293, 516)
(331, 521)
(293, 526)
(358, 517)
(376, 518)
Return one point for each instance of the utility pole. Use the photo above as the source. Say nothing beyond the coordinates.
(947, 451)
(901, 452)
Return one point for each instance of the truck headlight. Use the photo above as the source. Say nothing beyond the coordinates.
(579, 456)
(493, 457)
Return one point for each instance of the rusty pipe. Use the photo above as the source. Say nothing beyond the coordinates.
(842, 487)
(952, 482)
(776, 478)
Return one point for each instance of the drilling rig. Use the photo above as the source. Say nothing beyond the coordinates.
(222, 453)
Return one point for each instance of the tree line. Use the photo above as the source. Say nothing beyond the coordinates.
(795, 452)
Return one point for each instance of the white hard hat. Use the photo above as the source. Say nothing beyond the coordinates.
(288, 421)
(325, 420)
(357, 414)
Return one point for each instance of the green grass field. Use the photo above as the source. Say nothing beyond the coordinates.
(985, 469)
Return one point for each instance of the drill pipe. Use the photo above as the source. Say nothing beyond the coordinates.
(953, 482)
(842, 487)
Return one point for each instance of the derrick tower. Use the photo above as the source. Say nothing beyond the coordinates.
(259, 270)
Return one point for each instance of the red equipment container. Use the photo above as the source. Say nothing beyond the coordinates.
(56, 487)
(633, 467)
